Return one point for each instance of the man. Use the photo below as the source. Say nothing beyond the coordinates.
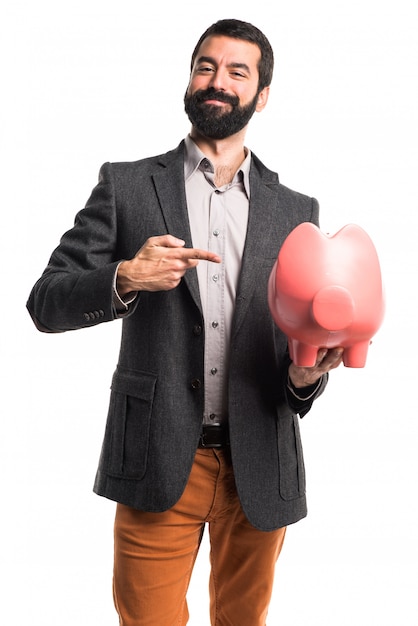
(203, 418)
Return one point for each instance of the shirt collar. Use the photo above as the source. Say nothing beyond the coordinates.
(193, 156)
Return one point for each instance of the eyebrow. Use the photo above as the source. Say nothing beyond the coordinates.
(242, 66)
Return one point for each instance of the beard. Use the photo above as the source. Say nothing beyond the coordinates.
(211, 120)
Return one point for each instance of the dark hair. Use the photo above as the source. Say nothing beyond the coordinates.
(246, 31)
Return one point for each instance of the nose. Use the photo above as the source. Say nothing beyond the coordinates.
(218, 80)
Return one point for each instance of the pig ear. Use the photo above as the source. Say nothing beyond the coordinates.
(361, 255)
(302, 247)
(304, 240)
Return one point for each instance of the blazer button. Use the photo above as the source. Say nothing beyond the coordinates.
(196, 383)
(197, 330)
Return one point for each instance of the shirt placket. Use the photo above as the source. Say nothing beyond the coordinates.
(215, 319)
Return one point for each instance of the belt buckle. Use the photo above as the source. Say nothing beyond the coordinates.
(212, 436)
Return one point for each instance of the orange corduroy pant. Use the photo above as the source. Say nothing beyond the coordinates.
(155, 554)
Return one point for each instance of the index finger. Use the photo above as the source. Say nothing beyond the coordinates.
(330, 359)
(200, 255)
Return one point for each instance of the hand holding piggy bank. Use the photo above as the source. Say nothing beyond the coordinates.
(327, 292)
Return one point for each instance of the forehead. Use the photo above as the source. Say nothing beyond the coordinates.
(229, 51)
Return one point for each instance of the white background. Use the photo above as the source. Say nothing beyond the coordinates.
(90, 81)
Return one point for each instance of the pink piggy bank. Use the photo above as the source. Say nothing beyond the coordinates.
(327, 292)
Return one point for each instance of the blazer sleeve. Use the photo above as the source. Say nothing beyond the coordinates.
(76, 288)
(303, 401)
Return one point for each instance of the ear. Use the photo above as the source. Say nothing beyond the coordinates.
(262, 99)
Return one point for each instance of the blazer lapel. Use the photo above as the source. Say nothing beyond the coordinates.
(169, 185)
(258, 245)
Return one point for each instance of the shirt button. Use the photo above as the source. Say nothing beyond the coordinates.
(216, 232)
(215, 278)
(213, 371)
(212, 416)
(215, 324)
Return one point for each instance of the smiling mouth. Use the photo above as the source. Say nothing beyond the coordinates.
(215, 102)
(218, 102)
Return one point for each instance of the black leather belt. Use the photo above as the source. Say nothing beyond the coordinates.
(214, 436)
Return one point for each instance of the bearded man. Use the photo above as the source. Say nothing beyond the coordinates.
(202, 429)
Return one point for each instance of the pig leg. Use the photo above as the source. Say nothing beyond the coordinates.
(302, 354)
(356, 355)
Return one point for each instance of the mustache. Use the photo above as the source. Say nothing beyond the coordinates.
(213, 94)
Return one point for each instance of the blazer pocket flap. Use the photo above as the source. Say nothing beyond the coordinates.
(134, 383)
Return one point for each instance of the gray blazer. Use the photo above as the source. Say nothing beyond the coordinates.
(156, 400)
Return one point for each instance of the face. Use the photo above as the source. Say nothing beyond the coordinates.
(223, 91)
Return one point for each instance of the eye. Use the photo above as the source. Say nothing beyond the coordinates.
(204, 69)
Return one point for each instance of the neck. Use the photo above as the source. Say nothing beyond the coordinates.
(225, 154)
